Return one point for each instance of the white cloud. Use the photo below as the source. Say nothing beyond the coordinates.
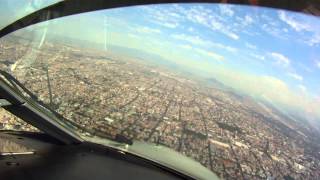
(222, 28)
(198, 18)
(247, 20)
(269, 88)
(315, 39)
(196, 40)
(251, 46)
(302, 88)
(291, 21)
(222, 46)
(168, 17)
(232, 35)
(226, 10)
(301, 25)
(273, 27)
(210, 54)
(147, 30)
(210, 19)
(296, 76)
(280, 59)
(215, 25)
(273, 30)
(174, 16)
(169, 25)
(317, 64)
(185, 46)
(260, 57)
(192, 39)
(203, 52)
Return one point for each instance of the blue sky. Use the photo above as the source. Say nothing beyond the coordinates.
(270, 54)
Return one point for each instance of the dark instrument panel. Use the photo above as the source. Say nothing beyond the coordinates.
(84, 161)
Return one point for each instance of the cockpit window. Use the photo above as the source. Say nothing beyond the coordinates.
(9, 121)
(235, 88)
(12, 10)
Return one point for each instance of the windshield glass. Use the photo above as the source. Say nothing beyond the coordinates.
(235, 88)
(12, 10)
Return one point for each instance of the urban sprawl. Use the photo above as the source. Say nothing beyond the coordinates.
(233, 135)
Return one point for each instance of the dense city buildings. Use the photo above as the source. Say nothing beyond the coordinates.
(234, 135)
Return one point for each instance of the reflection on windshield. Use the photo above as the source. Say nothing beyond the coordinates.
(12, 10)
(234, 88)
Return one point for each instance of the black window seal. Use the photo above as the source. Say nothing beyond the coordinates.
(71, 7)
